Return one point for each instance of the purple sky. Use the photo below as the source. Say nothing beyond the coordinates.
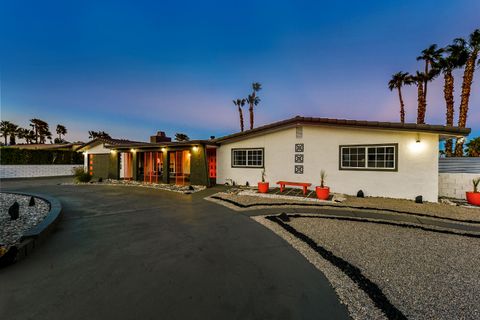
(132, 68)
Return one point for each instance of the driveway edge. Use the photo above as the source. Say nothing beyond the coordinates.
(33, 237)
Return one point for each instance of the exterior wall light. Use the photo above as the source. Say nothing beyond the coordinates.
(418, 138)
(133, 150)
(113, 151)
(163, 149)
(195, 148)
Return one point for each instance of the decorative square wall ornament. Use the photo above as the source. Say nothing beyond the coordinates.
(298, 169)
(299, 147)
(298, 158)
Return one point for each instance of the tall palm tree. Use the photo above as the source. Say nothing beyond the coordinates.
(419, 79)
(430, 55)
(4, 129)
(253, 100)
(61, 130)
(240, 103)
(398, 80)
(40, 128)
(455, 57)
(473, 48)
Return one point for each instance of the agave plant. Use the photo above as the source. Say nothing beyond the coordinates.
(323, 175)
(263, 175)
(476, 182)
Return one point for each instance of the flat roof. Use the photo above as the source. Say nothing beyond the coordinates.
(146, 145)
(443, 131)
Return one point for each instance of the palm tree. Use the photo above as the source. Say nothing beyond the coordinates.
(40, 129)
(13, 131)
(4, 129)
(240, 103)
(398, 80)
(431, 55)
(61, 130)
(419, 79)
(473, 147)
(472, 47)
(253, 100)
(456, 57)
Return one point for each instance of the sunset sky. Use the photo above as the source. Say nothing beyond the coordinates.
(131, 68)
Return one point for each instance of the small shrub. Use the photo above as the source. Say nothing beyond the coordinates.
(80, 175)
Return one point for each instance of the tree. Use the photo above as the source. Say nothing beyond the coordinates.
(98, 134)
(253, 100)
(13, 131)
(398, 80)
(430, 55)
(472, 46)
(181, 137)
(419, 80)
(40, 129)
(4, 129)
(455, 57)
(240, 103)
(61, 131)
(473, 147)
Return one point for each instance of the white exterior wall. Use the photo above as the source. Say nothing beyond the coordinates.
(417, 162)
(454, 185)
(36, 170)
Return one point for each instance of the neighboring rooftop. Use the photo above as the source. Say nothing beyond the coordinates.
(395, 126)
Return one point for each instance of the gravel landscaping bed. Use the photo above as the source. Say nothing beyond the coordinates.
(249, 200)
(424, 274)
(162, 186)
(12, 230)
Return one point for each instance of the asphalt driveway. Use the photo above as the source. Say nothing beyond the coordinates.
(137, 253)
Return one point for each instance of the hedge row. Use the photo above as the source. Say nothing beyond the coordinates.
(27, 156)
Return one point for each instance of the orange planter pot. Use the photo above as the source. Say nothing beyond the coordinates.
(473, 198)
(322, 192)
(263, 187)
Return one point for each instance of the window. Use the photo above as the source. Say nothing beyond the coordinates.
(369, 157)
(247, 158)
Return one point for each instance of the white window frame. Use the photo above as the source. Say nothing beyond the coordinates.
(366, 147)
(247, 151)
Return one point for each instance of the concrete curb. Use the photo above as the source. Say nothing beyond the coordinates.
(33, 237)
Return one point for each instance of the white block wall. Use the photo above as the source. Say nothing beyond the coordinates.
(454, 185)
(36, 170)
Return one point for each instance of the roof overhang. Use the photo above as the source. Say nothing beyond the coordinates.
(443, 131)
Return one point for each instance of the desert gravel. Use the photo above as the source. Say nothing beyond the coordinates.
(12, 230)
(187, 189)
(427, 275)
(440, 210)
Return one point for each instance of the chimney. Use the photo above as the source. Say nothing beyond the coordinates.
(160, 137)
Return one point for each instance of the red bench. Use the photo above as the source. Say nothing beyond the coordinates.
(305, 185)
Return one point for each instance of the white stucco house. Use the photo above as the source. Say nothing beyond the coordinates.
(381, 158)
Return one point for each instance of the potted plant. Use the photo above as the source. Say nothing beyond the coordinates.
(474, 197)
(263, 186)
(322, 191)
